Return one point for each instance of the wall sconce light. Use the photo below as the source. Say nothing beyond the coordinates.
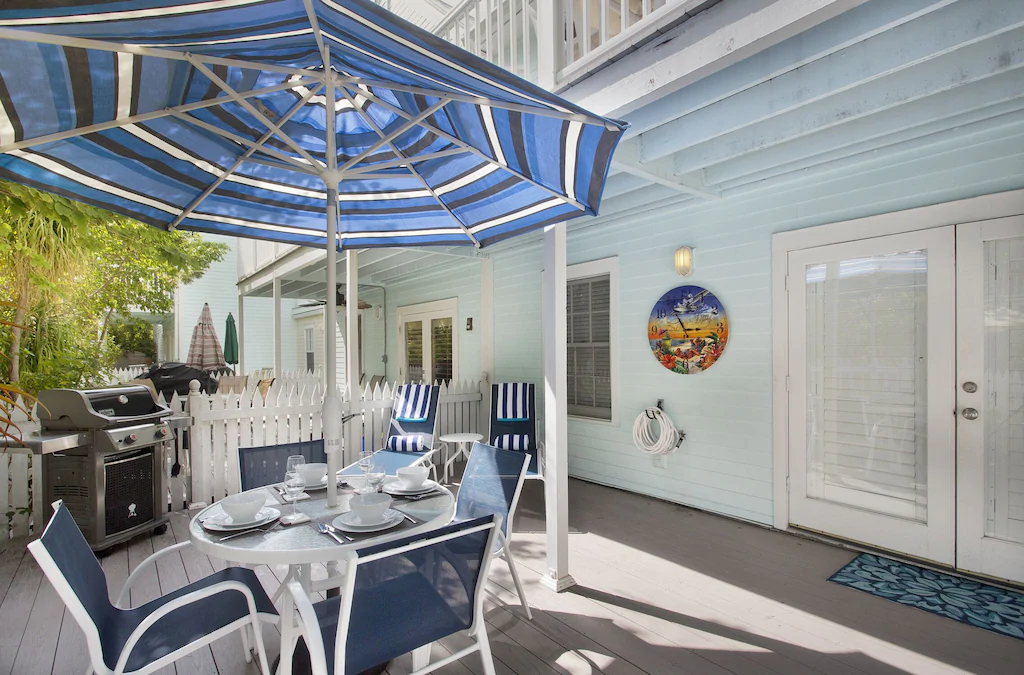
(469, 323)
(684, 261)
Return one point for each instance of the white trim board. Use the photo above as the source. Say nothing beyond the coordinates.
(986, 207)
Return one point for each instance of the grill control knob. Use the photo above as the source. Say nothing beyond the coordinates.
(162, 432)
(130, 438)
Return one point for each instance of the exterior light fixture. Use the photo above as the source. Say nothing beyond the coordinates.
(684, 261)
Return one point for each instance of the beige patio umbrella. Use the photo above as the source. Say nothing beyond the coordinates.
(204, 351)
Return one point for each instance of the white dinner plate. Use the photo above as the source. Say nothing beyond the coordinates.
(222, 522)
(393, 486)
(348, 522)
(322, 485)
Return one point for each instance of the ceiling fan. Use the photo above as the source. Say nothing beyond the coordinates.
(339, 300)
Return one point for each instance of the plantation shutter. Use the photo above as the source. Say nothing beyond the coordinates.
(866, 349)
(589, 350)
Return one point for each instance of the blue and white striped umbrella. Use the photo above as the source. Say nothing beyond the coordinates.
(212, 116)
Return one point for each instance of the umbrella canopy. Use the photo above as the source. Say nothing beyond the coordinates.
(212, 116)
(204, 350)
(231, 341)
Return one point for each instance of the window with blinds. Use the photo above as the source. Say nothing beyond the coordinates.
(589, 347)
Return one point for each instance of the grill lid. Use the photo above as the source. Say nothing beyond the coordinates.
(98, 408)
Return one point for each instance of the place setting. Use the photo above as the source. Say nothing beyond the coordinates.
(240, 514)
(410, 484)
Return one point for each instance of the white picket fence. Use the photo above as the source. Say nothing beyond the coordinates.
(292, 412)
(294, 378)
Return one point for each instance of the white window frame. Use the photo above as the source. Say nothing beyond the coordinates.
(309, 343)
(597, 268)
(425, 312)
(926, 217)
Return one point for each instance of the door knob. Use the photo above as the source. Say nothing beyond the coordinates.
(969, 414)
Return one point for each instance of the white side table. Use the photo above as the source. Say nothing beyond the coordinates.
(462, 442)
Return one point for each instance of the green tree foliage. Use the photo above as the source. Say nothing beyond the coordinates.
(133, 335)
(67, 271)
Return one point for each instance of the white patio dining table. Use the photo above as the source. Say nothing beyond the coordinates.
(301, 546)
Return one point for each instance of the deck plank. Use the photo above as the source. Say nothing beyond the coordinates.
(663, 590)
(16, 609)
(147, 587)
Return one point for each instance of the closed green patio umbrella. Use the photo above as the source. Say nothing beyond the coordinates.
(231, 342)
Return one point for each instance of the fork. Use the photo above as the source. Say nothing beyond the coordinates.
(330, 532)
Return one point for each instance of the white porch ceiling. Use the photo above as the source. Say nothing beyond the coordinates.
(881, 80)
(377, 267)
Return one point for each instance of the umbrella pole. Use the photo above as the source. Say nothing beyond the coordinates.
(332, 404)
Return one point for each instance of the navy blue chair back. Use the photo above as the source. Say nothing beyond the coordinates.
(69, 550)
(413, 417)
(491, 484)
(409, 599)
(265, 465)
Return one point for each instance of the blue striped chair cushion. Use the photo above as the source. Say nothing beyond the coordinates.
(412, 403)
(512, 402)
(417, 443)
(519, 442)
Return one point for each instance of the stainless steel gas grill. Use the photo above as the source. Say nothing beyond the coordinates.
(113, 479)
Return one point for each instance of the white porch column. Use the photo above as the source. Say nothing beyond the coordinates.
(158, 340)
(354, 432)
(278, 370)
(486, 329)
(556, 410)
(241, 335)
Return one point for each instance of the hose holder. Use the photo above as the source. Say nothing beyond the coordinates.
(669, 436)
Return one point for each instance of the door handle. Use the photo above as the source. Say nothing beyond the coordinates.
(969, 414)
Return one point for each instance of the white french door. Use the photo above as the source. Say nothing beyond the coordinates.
(428, 342)
(990, 397)
(871, 381)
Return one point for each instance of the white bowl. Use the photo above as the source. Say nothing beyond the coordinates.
(412, 477)
(370, 508)
(244, 506)
(313, 474)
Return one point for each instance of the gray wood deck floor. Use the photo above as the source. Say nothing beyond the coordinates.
(662, 590)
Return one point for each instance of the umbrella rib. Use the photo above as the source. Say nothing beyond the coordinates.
(480, 100)
(386, 139)
(241, 159)
(247, 142)
(415, 173)
(469, 148)
(156, 52)
(213, 77)
(318, 35)
(145, 117)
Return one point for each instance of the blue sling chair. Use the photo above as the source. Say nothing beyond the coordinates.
(410, 440)
(514, 423)
(491, 484)
(396, 597)
(144, 639)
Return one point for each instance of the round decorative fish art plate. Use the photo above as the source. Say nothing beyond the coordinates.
(688, 329)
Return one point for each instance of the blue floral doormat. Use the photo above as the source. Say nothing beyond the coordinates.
(971, 602)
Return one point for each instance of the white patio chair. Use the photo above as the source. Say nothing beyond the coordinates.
(397, 597)
(144, 639)
(491, 484)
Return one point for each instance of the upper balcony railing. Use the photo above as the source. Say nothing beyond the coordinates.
(552, 42)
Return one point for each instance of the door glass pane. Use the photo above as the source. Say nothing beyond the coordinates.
(1004, 386)
(866, 386)
(441, 349)
(414, 350)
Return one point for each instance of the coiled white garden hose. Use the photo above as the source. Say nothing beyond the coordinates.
(667, 439)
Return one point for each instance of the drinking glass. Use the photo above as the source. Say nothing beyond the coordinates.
(294, 462)
(294, 484)
(375, 475)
